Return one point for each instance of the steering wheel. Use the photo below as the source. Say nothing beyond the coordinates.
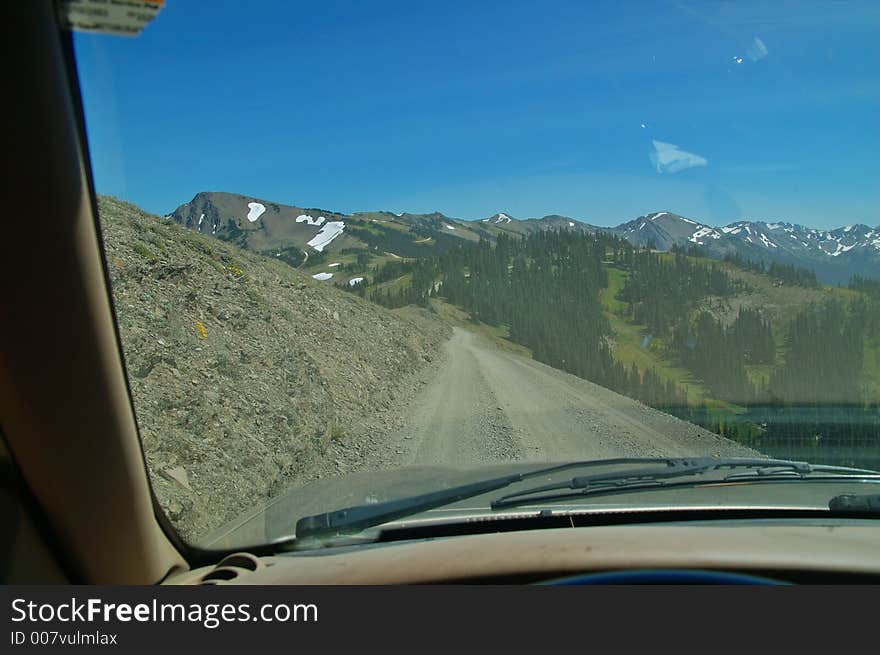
(663, 577)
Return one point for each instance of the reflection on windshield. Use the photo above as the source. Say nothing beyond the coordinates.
(668, 158)
(379, 268)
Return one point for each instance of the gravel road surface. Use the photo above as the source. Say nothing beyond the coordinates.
(486, 404)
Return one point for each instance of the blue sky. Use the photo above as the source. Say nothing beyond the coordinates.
(471, 108)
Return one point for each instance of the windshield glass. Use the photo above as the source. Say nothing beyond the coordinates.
(377, 250)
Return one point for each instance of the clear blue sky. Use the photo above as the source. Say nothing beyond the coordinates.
(471, 108)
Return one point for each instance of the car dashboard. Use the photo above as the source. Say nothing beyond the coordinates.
(773, 550)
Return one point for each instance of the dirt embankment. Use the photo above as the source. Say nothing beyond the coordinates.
(248, 375)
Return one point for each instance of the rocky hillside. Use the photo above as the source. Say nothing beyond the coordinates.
(248, 375)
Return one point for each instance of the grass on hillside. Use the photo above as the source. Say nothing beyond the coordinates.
(628, 339)
(347, 258)
(779, 302)
(759, 374)
(396, 285)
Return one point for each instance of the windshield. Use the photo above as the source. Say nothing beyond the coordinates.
(376, 250)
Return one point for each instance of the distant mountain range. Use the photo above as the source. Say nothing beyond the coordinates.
(835, 255)
(292, 232)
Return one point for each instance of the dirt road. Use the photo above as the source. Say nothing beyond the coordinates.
(487, 404)
(483, 405)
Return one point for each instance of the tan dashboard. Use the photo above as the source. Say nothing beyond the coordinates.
(544, 554)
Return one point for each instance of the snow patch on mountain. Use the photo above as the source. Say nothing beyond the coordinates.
(841, 249)
(327, 233)
(767, 242)
(702, 233)
(255, 210)
(308, 220)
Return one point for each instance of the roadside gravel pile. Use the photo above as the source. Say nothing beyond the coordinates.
(247, 375)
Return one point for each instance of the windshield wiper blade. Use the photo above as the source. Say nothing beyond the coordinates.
(360, 517)
(652, 477)
(657, 485)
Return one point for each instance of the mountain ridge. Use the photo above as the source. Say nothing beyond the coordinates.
(274, 228)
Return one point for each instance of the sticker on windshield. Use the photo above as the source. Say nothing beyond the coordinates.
(120, 17)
